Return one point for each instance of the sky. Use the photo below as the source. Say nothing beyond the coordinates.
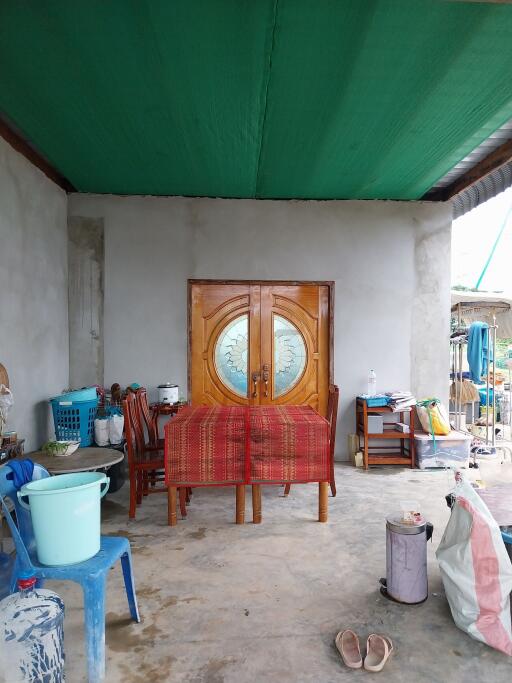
(473, 236)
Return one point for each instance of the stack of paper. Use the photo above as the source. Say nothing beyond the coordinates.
(401, 400)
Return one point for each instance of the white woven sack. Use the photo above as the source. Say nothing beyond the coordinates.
(476, 570)
(101, 431)
(116, 427)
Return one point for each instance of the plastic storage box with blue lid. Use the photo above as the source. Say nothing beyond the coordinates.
(449, 451)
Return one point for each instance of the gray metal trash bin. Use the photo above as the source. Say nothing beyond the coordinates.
(406, 561)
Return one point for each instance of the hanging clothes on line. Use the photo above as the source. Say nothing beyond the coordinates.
(478, 350)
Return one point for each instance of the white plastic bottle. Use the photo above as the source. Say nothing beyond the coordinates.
(372, 383)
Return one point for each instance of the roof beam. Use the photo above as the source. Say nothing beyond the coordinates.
(499, 157)
(26, 149)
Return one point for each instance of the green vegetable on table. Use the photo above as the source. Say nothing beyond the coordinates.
(54, 447)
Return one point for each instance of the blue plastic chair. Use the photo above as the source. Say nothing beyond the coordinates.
(91, 574)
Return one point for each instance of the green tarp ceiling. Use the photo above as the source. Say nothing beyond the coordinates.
(256, 98)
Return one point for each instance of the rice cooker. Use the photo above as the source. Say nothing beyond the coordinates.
(168, 393)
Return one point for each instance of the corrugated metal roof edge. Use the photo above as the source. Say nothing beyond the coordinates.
(489, 186)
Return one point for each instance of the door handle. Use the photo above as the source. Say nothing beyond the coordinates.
(255, 380)
(266, 378)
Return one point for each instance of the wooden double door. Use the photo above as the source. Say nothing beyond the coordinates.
(259, 343)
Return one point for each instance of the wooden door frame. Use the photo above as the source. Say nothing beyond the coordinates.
(193, 281)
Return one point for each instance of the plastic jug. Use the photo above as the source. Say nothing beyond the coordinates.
(31, 635)
(372, 383)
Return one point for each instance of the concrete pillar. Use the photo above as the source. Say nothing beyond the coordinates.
(86, 276)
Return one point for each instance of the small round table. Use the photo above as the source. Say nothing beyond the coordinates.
(166, 408)
(82, 460)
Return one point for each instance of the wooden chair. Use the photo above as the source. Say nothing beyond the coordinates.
(146, 463)
(332, 416)
(150, 420)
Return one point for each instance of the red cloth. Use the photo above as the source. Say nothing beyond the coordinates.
(220, 445)
(288, 444)
(206, 445)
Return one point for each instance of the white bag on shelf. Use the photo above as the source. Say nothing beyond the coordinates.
(476, 570)
(433, 417)
(116, 427)
(101, 431)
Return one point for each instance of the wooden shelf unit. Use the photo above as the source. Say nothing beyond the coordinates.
(371, 454)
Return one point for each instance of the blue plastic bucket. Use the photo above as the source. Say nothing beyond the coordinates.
(66, 516)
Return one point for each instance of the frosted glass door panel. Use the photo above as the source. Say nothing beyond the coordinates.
(289, 355)
(231, 355)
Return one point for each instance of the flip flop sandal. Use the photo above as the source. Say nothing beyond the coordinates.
(378, 651)
(347, 644)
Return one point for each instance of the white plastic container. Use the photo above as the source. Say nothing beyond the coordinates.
(375, 424)
(451, 451)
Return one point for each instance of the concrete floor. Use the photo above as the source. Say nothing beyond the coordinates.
(236, 604)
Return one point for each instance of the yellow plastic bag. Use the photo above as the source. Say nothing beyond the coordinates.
(433, 417)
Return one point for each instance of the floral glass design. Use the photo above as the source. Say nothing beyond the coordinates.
(289, 355)
(231, 353)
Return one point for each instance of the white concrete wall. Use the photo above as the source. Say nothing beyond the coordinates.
(33, 293)
(390, 262)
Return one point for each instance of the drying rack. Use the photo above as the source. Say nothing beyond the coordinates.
(491, 309)
(457, 348)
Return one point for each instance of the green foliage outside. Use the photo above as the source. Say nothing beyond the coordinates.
(502, 352)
